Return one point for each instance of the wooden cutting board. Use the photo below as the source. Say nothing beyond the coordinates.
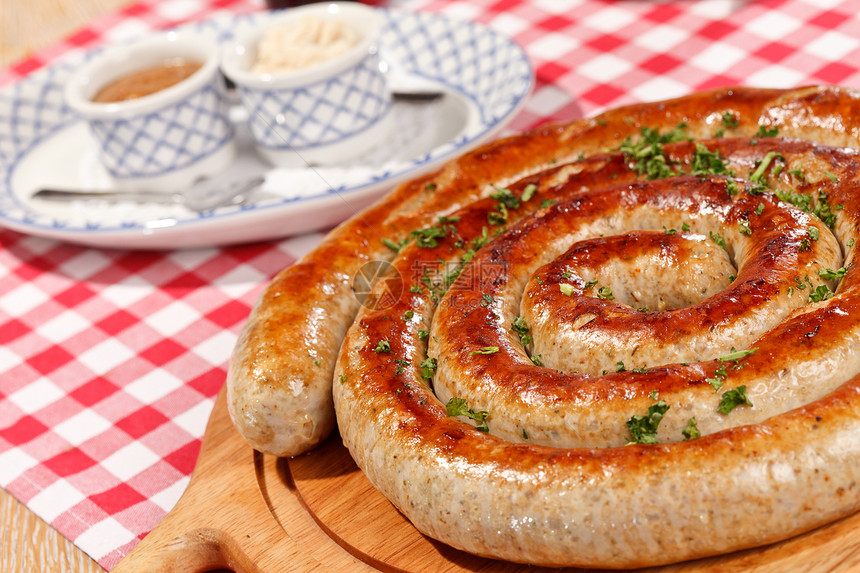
(248, 512)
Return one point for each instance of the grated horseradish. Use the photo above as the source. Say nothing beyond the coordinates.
(302, 44)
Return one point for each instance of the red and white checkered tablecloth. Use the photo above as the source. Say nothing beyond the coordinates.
(110, 360)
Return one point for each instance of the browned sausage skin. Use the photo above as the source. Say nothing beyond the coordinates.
(283, 363)
(552, 482)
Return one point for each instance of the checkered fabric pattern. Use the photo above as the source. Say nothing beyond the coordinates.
(110, 360)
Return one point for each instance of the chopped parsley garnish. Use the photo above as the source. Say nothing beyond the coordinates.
(744, 228)
(643, 428)
(498, 218)
(730, 120)
(520, 327)
(430, 186)
(459, 407)
(734, 355)
(536, 360)
(813, 233)
(506, 198)
(821, 292)
(428, 368)
(427, 238)
(382, 346)
(758, 174)
(691, 432)
(765, 132)
(619, 367)
(707, 162)
(481, 241)
(718, 239)
(605, 293)
(830, 274)
(760, 209)
(485, 350)
(647, 156)
(732, 399)
(401, 364)
(716, 382)
(528, 192)
(394, 246)
(416, 289)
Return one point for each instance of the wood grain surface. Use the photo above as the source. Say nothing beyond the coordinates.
(26, 542)
(317, 512)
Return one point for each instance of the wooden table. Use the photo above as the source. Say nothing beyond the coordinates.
(26, 542)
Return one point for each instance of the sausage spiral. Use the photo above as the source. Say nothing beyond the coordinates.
(617, 343)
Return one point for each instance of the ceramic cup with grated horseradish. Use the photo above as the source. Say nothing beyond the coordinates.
(311, 83)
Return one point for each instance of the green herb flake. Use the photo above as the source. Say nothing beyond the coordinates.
(732, 399)
(619, 367)
(391, 245)
(830, 274)
(718, 239)
(528, 192)
(643, 428)
(730, 120)
(744, 228)
(428, 368)
(760, 209)
(485, 350)
(506, 198)
(382, 346)
(821, 292)
(536, 360)
(813, 233)
(459, 407)
(691, 431)
(734, 356)
(566, 289)
(605, 293)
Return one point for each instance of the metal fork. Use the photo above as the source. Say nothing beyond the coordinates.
(234, 193)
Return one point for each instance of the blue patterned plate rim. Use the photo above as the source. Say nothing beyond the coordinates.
(483, 67)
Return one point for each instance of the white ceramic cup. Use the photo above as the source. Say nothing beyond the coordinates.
(325, 114)
(167, 140)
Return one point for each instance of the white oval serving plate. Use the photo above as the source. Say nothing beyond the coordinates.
(484, 76)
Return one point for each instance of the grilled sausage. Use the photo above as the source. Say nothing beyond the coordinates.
(496, 324)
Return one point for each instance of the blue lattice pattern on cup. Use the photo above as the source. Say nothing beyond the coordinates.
(171, 138)
(321, 113)
(478, 62)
